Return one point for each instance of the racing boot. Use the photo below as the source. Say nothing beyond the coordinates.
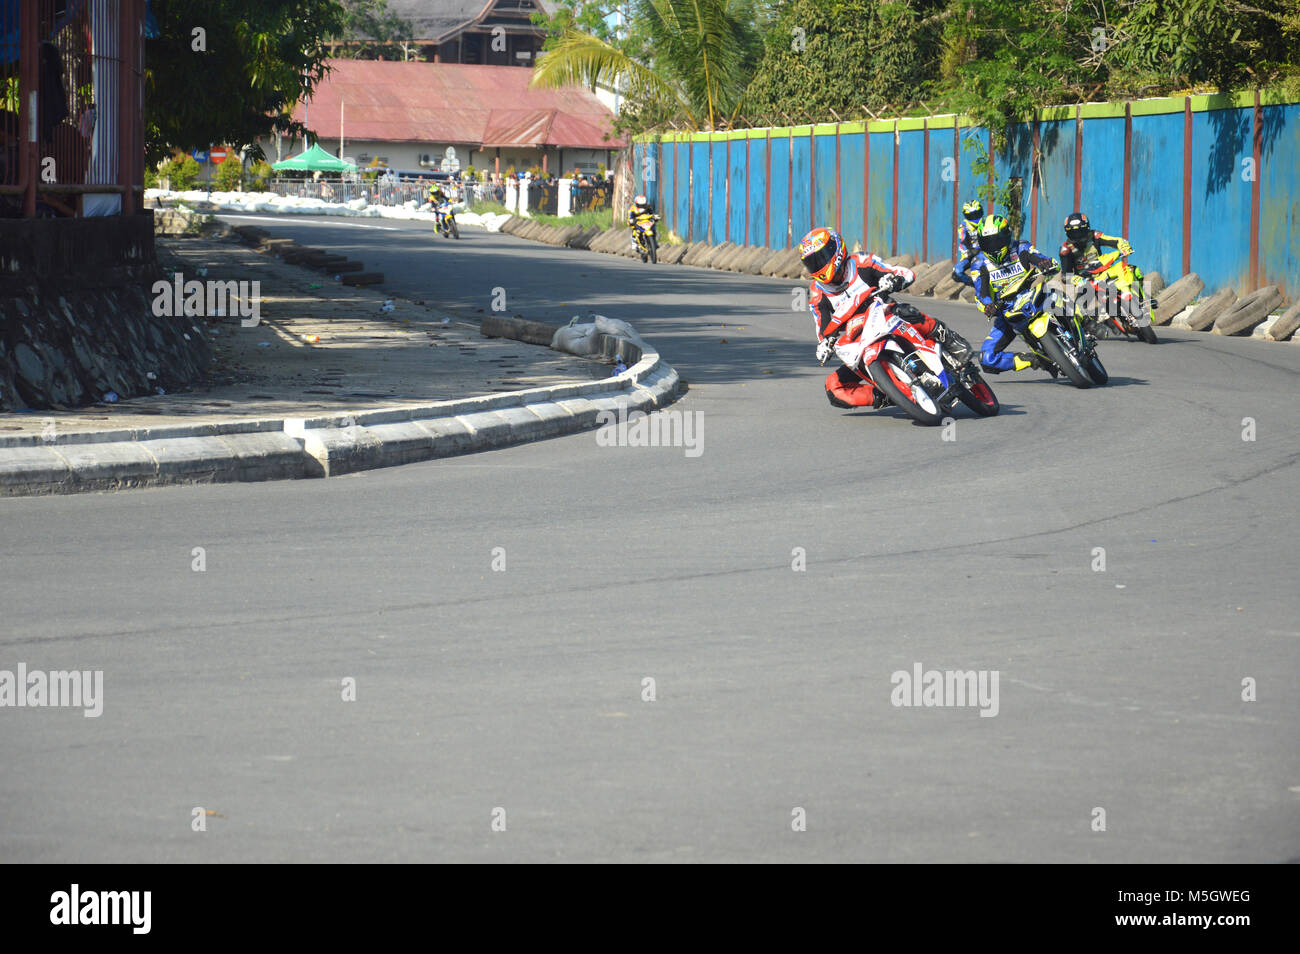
(953, 343)
(1027, 359)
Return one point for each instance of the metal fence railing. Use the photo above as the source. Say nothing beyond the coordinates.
(80, 65)
(382, 191)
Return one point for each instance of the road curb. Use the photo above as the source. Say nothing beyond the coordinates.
(333, 444)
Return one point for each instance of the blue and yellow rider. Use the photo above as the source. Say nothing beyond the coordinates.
(998, 269)
(968, 245)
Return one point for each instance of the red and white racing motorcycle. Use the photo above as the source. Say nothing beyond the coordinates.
(917, 375)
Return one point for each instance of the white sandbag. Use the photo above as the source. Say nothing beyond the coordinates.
(576, 339)
(617, 328)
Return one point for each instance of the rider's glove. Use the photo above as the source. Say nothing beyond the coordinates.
(1124, 247)
(888, 283)
(825, 348)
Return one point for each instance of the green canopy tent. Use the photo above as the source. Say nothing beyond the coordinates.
(314, 159)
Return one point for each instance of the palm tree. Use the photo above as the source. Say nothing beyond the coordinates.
(699, 56)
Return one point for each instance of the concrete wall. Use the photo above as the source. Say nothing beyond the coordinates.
(1209, 184)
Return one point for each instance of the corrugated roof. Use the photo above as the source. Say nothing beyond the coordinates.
(436, 20)
(457, 103)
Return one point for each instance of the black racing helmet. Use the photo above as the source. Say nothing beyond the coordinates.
(1077, 229)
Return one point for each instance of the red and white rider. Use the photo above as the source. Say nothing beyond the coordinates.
(843, 285)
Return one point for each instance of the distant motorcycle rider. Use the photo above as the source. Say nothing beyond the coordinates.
(998, 268)
(642, 211)
(843, 285)
(1083, 245)
(968, 244)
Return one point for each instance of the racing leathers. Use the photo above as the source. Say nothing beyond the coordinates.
(968, 249)
(834, 304)
(992, 281)
(1074, 255)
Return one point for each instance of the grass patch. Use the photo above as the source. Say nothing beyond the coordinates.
(485, 208)
(586, 220)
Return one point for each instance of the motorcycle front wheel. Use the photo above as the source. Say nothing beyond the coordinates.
(903, 390)
(979, 397)
(1065, 357)
(652, 249)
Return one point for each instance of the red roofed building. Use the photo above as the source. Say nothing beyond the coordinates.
(406, 116)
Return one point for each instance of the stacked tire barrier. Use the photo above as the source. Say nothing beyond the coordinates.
(1262, 314)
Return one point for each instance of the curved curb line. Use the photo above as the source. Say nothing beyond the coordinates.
(330, 445)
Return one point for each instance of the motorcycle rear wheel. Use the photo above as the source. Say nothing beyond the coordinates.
(903, 390)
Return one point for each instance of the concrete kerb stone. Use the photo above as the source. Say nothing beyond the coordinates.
(1250, 311)
(1207, 312)
(335, 444)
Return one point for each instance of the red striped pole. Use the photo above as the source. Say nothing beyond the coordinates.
(893, 241)
(1128, 161)
(866, 184)
(925, 195)
(749, 174)
(991, 175)
(1187, 184)
(726, 192)
(812, 177)
(767, 194)
(956, 180)
(1254, 194)
(690, 190)
(839, 223)
(1033, 190)
(1078, 156)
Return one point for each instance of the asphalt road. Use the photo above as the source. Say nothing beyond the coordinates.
(522, 688)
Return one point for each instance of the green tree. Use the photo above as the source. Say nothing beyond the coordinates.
(181, 171)
(685, 61)
(232, 70)
(833, 57)
(586, 17)
(1210, 44)
(230, 173)
(370, 31)
(1002, 59)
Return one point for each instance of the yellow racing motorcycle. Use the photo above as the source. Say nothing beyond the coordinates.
(1108, 297)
